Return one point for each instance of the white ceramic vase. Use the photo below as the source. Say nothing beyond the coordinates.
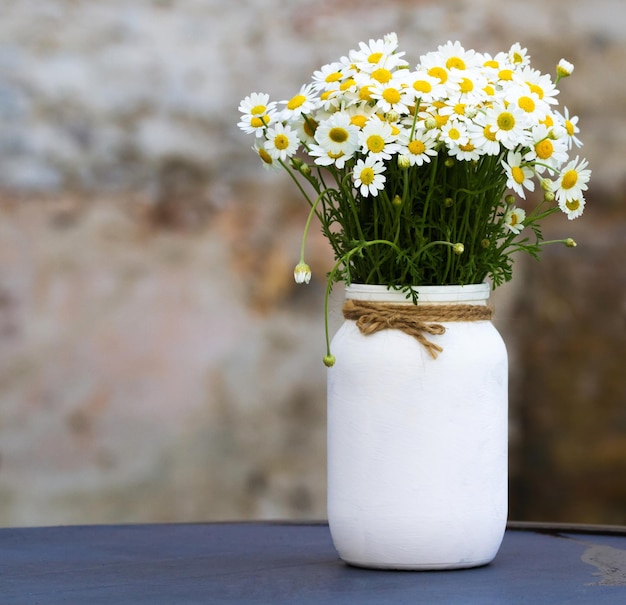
(417, 447)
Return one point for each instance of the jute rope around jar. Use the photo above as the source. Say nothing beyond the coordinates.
(414, 320)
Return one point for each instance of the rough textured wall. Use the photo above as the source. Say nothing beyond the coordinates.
(156, 360)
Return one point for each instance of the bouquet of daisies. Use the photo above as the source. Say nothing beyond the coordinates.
(419, 175)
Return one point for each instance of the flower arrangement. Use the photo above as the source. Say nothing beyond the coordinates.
(414, 173)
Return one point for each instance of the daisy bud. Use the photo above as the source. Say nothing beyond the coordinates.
(392, 116)
(570, 243)
(449, 162)
(305, 169)
(329, 361)
(430, 123)
(548, 196)
(448, 202)
(302, 273)
(564, 69)
(396, 201)
(404, 162)
(546, 184)
(458, 248)
(509, 199)
(485, 243)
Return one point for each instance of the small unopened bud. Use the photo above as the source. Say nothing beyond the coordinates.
(329, 361)
(449, 162)
(404, 161)
(458, 248)
(430, 123)
(392, 116)
(305, 169)
(509, 199)
(570, 243)
(546, 184)
(564, 69)
(302, 273)
(396, 201)
(548, 196)
(448, 202)
(485, 243)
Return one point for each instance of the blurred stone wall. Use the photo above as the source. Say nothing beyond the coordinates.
(156, 360)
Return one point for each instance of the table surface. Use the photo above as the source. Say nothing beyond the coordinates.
(272, 563)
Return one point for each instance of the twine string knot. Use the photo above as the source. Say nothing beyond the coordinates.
(414, 320)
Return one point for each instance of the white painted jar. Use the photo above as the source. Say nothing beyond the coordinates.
(417, 447)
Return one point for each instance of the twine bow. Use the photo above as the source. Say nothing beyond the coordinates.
(414, 320)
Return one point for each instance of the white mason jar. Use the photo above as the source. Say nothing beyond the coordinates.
(417, 446)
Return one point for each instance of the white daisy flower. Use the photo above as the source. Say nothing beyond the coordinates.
(378, 53)
(571, 127)
(482, 137)
(572, 208)
(538, 83)
(392, 96)
(329, 77)
(572, 181)
(546, 150)
(454, 134)
(269, 163)
(519, 176)
(258, 113)
(305, 102)
(324, 157)
(338, 135)
(468, 85)
(454, 56)
(425, 88)
(514, 219)
(282, 142)
(368, 176)
(377, 139)
(466, 152)
(508, 124)
(521, 97)
(419, 148)
(518, 56)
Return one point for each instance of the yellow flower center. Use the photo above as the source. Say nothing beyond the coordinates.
(266, 157)
(327, 94)
(548, 121)
(391, 95)
(296, 102)
(259, 122)
(513, 219)
(570, 178)
(375, 58)
(359, 120)
(459, 109)
(281, 142)
(527, 104)
(467, 147)
(518, 174)
(544, 149)
(365, 93)
(441, 120)
(309, 127)
(506, 121)
(334, 156)
(367, 176)
(570, 128)
(338, 135)
(381, 75)
(258, 110)
(490, 90)
(455, 63)
(375, 143)
(517, 58)
(454, 134)
(489, 135)
(491, 63)
(438, 72)
(572, 205)
(536, 89)
(349, 83)
(466, 85)
(334, 77)
(422, 86)
(416, 147)
(505, 74)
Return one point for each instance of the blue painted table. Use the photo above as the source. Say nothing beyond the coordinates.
(273, 563)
